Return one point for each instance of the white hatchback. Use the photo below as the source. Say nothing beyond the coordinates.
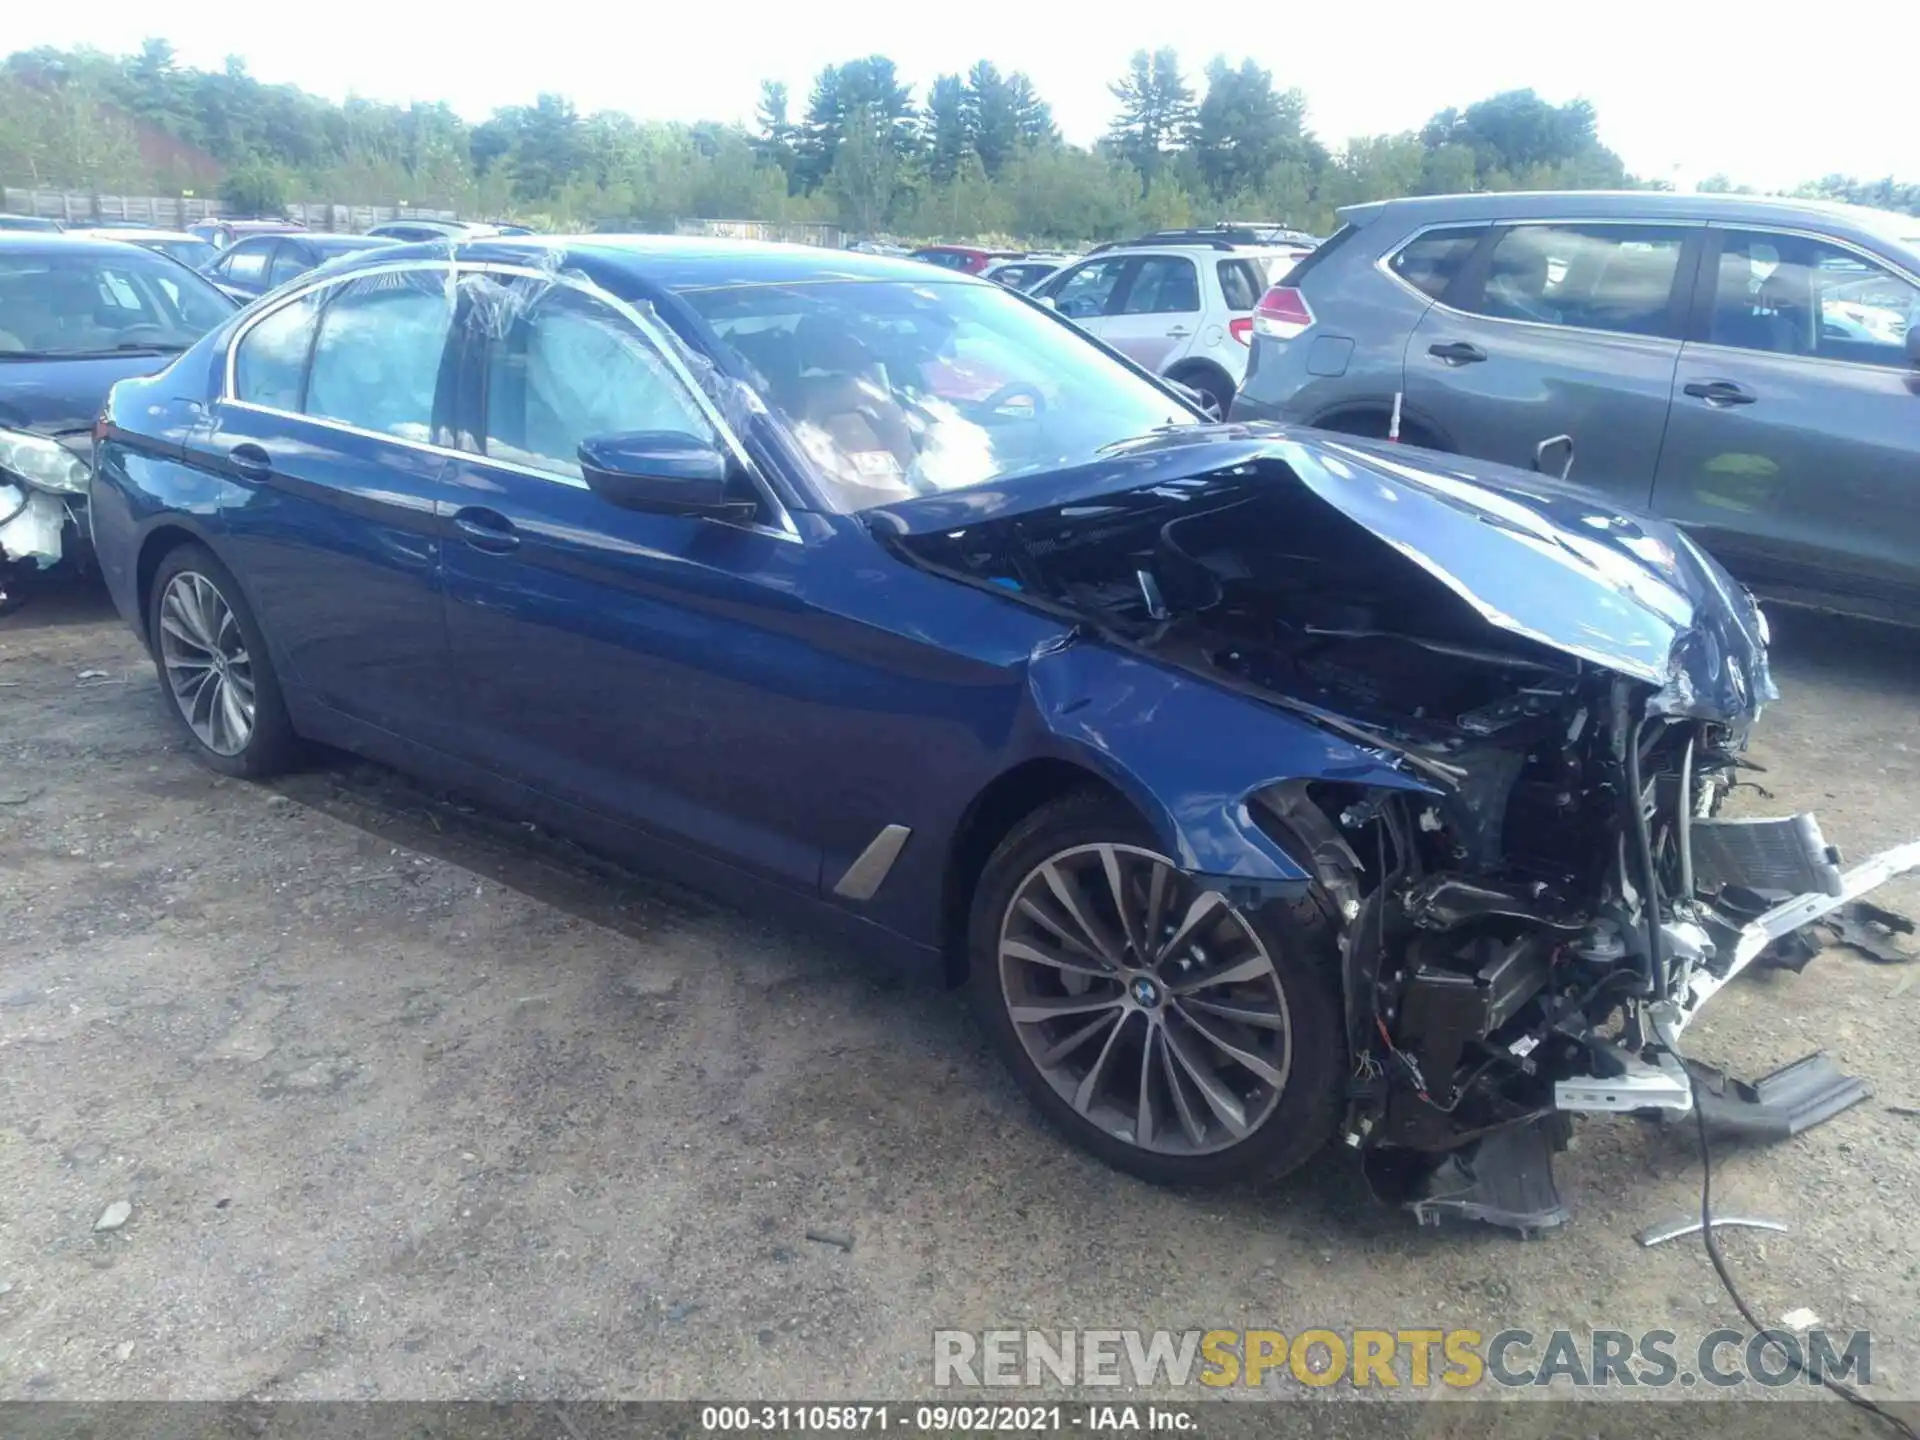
(1182, 311)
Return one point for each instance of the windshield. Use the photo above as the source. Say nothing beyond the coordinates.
(898, 388)
(71, 305)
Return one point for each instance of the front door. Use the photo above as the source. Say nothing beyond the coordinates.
(1085, 292)
(621, 661)
(1155, 320)
(1560, 329)
(1794, 445)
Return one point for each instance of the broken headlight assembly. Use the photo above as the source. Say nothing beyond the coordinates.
(42, 463)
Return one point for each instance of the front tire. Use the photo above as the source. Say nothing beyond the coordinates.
(216, 677)
(1177, 1037)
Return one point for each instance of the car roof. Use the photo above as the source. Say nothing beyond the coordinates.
(65, 242)
(673, 262)
(1631, 204)
(136, 234)
(329, 240)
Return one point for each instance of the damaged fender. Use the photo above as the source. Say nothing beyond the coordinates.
(1192, 756)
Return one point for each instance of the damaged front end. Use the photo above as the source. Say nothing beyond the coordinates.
(43, 518)
(1528, 930)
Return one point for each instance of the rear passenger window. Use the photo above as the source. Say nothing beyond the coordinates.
(1241, 283)
(1430, 262)
(243, 266)
(1163, 285)
(288, 263)
(268, 365)
(1596, 277)
(376, 363)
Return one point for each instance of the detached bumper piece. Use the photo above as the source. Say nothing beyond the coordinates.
(1793, 1098)
(1744, 858)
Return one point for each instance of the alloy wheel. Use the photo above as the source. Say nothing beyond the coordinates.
(207, 666)
(1148, 1003)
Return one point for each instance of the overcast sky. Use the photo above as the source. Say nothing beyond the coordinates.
(1682, 90)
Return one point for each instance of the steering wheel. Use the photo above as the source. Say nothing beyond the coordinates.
(1001, 398)
(138, 334)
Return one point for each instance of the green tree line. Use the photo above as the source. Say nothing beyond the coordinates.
(979, 156)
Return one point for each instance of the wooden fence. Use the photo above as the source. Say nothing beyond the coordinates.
(802, 232)
(176, 212)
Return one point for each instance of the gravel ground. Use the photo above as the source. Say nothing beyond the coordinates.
(410, 1101)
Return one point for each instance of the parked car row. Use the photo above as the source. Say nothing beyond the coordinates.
(77, 314)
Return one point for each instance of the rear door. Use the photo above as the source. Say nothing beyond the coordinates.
(1794, 444)
(335, 404)
(1155, 319)
(1559, 328)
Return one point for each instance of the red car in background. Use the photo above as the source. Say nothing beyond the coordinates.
(964, 258)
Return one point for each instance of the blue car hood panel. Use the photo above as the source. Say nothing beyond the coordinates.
(55, 396)
(1534, 557)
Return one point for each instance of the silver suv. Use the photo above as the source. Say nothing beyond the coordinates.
(1747, 367)
(1184, 311)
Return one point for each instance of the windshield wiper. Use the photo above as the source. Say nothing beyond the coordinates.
(129, 347)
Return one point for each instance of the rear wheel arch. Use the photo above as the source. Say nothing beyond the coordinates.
(1372, 420)
(990, 817)
(155, 546)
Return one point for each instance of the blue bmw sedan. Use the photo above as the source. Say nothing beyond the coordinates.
(1260, 785)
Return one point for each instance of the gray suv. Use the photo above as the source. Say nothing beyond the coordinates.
(1747, 367)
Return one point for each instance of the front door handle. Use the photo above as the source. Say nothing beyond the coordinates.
(251, 462)
(1457, 352)
(1719, 392)
(486, 529)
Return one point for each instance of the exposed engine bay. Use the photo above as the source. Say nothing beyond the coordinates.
(1527, 932)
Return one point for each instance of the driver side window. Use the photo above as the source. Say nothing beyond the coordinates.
(1085, 293)
(570, 367)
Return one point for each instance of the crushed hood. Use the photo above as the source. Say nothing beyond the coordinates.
(1534, 557)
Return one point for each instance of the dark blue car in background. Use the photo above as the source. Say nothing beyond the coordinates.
(255, 264)
(1260, 784)
(76, 315)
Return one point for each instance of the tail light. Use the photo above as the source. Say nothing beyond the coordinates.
(1282, 314)
(1241, 329)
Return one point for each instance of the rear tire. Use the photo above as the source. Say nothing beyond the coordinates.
(1178, 1076)
(1215, 389)
(216, 675)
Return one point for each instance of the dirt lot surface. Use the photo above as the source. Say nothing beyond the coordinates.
(410, 1101)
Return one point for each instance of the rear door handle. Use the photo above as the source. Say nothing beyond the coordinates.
(1457, 352)
(1179, 332)
(486, 529)
(1719, 392)
(251, 462)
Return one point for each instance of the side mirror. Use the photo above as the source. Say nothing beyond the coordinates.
(663, 472)
(1913, 339)
(1554, 457)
